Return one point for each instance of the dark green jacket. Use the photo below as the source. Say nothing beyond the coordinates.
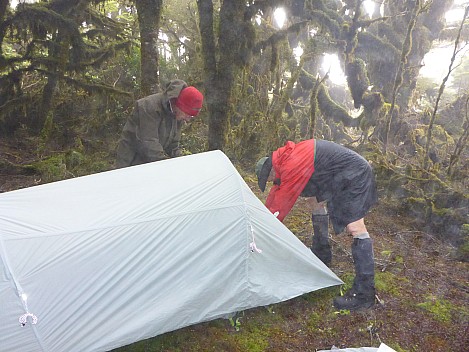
(151, 133)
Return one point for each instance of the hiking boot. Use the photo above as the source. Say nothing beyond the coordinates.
(354, 301)
(320, 246)
(362, 293)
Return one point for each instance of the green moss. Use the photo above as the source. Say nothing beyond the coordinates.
(164, 342)
(416, 200)
(254, 340)
(389, 283)
(440, 309)
(314, 321)
(74, 158)
(357, 79)
(52, 169)
(442, 211)
(348, 282)
(322, 297)
(331, 109)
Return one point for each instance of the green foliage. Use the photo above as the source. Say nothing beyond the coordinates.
(53, 168)
(322, 298)
(164, 342)
(235, 323)
(348, 282)
(246, 138)
(70, 164)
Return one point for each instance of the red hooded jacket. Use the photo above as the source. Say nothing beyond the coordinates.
(294, 166)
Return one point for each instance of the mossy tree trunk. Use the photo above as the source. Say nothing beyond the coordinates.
(149, 16)
(221, 63)
(406, 48)
(3, 8)
(55, 69)
(52, 50)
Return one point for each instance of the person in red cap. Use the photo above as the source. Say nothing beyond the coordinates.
(153, 131)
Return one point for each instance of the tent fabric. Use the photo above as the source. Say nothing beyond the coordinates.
(101, 261)
(382, 348)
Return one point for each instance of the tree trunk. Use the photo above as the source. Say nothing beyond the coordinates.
(56, 68)
(406, 48)
(3, 8)
(149, 16)
(220, 75)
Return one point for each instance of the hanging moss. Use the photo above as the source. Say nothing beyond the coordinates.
(373, 104)
(394, 37)
(332, 110)
(325, 20)
(357, 80)
(376, 48)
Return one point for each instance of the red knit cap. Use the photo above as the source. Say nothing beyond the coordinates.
(190, 101)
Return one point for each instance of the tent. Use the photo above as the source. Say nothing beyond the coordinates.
(382, 348)
(101, 261)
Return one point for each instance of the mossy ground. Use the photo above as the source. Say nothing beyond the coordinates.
(422, 287)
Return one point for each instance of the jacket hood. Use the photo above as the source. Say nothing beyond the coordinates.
(172, 89)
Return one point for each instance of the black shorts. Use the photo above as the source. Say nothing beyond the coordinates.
(345, 180)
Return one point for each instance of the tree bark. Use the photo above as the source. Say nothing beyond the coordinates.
(3, 8)
(220, 75)
(406, 47)
(149, 16)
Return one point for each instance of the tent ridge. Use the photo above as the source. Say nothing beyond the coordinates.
(86, 229)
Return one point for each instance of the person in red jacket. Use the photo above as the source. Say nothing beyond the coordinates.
(342, 185)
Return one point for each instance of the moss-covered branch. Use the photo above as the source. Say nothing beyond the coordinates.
(332, 110)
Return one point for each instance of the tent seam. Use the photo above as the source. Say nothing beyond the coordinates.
(249, 234)
(17, 287)
(42, 235)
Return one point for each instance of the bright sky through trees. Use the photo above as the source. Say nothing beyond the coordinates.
(331, 64)
(436, 62)
(280, 17)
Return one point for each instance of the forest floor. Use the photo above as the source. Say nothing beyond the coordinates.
(423, 292)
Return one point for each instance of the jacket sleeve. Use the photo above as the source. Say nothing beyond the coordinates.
(173, 149)
(150, 147)
(280, 199)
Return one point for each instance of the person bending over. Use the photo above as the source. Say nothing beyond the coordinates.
(153, 131)
(342, 185)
